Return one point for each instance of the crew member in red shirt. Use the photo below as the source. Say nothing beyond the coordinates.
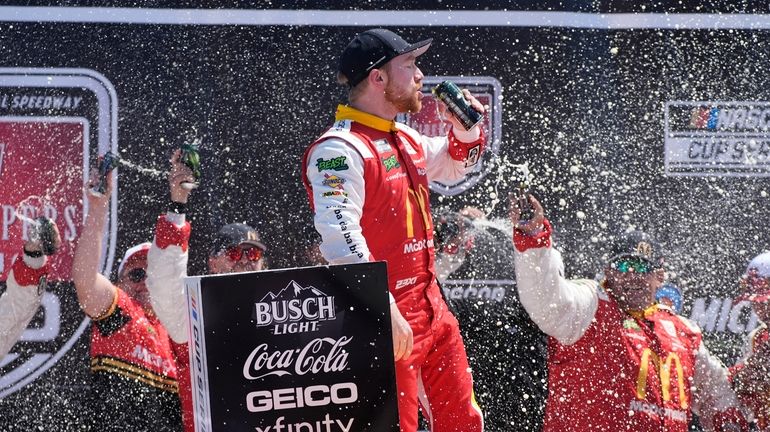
(751, 375)
(367, 180)
(617, 361)
(132, 360)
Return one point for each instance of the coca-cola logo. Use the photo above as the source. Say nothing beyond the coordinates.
(320, 355)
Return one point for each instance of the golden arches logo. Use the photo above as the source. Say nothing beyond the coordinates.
(664, 372)
(422, 197)
(644, 249)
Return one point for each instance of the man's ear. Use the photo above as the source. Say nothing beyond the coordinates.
(378, 78)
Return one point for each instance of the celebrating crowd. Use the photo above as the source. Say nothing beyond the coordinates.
(618, 355)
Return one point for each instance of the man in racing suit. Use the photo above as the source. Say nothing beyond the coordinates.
(367, 180)
(25, 285)
(618, 361)
(751, 374)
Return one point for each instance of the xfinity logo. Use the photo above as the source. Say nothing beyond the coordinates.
(294, 309)
(328, 424)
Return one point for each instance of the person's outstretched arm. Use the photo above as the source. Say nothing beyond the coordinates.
(95, 292)
(25, 287)
(168, 255)
(563, 309)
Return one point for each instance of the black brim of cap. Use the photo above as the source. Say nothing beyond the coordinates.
(418, 48)
(632, 255)
(254, 243)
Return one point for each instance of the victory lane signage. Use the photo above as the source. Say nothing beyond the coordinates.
(295, 350)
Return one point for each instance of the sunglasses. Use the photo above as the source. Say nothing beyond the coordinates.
(235, 253)
(137, 275)
(632, 264)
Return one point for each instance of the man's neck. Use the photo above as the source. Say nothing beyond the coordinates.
(376, 107)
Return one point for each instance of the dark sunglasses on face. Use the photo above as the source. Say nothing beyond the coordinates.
(137, 275)
(235, 253)
(632, 264)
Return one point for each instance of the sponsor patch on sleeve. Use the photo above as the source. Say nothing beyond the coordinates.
(334, 164)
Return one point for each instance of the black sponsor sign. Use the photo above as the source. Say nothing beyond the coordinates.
(306, 349)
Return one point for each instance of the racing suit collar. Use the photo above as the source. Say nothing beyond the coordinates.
(345, 112)
(646, 313)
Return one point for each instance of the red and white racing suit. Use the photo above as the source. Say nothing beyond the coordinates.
(614, 371)
(751, 380)
(367, 180)
(166, 270)
(21, 299)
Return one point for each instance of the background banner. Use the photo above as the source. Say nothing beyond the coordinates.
(608, 103)
(305, 349)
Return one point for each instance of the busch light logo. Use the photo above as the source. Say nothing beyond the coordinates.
(717, 138)
(294, 309)
(429, 123)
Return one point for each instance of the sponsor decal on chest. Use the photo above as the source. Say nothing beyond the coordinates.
(390, 162)
(382, 146)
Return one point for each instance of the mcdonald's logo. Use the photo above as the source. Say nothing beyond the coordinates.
(664, 372)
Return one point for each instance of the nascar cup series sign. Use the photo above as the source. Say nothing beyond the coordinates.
(297, 350)
(717, 138)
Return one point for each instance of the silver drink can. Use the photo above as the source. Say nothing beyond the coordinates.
(456, 103)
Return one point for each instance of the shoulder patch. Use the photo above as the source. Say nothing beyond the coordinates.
(351, 139)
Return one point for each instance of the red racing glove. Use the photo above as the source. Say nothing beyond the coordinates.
(466, 152)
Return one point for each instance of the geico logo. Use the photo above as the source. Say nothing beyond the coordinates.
(418, 245)
(406, 282)
(299, 397)
(312, 309)
(664, 374)
(720, 315)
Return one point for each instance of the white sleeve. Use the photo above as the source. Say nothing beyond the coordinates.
(166, 270)
(712, 391)
(338, 201)
(17, 306)
(561, 308)
(441, 167)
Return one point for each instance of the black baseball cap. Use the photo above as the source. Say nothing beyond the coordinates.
(236, 234)
(636, 244)
(372, 49)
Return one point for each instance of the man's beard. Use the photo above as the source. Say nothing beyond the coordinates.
(405, 102)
